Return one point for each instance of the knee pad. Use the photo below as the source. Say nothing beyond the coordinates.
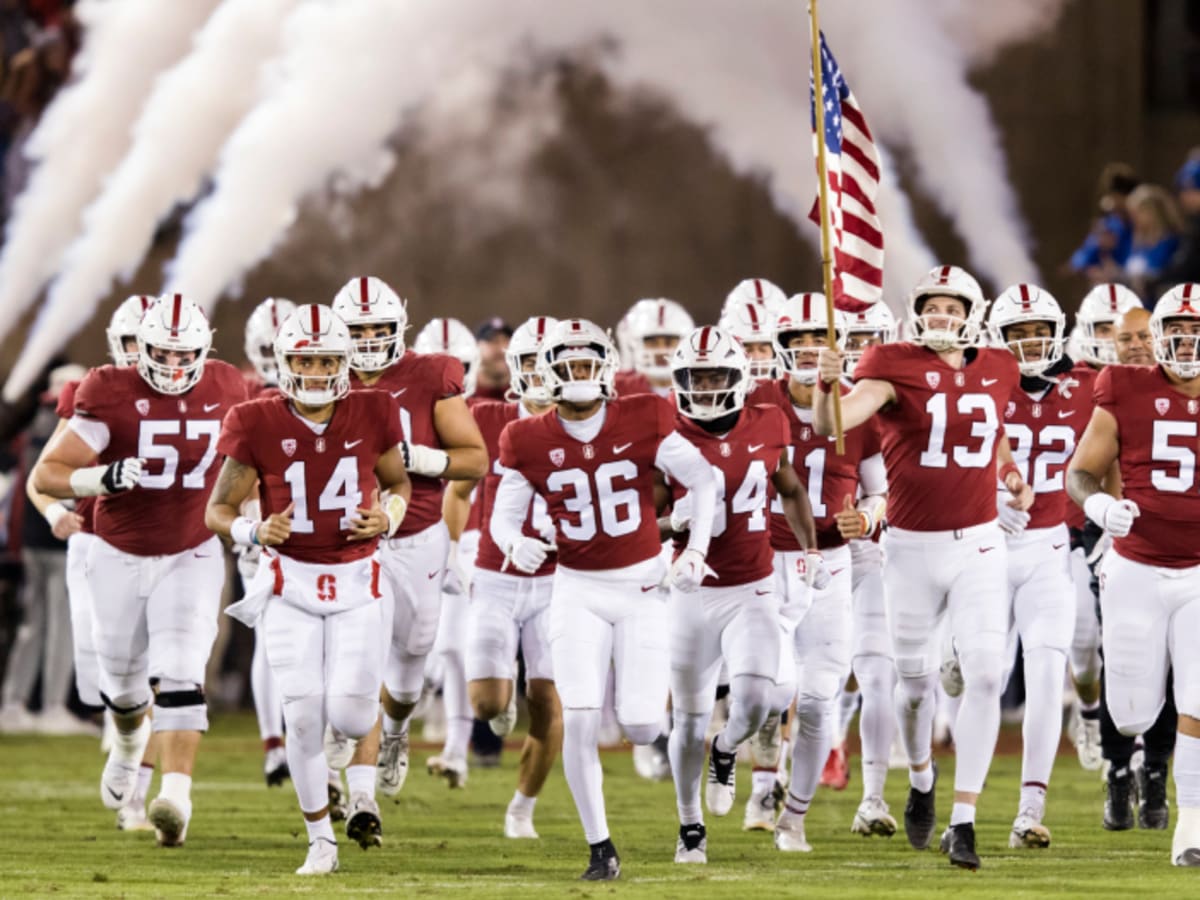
(128, 705)
(352, 716)
(404, 676)
(180, 706)
(981, 672)
(305, 718)
(642, 733)
(875, 674)
(691, 727)
(912, 690)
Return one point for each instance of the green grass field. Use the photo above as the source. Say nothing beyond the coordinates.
(245, 840)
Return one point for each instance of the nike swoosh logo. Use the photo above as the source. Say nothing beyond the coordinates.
(762, 593)
(621, 448)
(398, 393)
(1066, 415)
(648, 588)
(986, 549)
(1058, 546)
(833, 572)
(988, 382)
(209, 407)
(433, 575)
(114, 794)
(754, 448)
(350, 445)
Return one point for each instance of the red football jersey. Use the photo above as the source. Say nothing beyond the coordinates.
(492, 417)
(475, 516)
(600, 494)
(939, 437)
(177, 437)
(1157, 427)
(328, 476)
(829, 478)
(1043, 433)
(256, 388)
(84, 506)
(415, 383)
(629, 382)
(743, 461)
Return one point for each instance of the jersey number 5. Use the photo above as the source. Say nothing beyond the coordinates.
(149, 449)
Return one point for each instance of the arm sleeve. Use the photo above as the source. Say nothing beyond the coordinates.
(509, 509)
(93, 432)
(683, 463)
(872, 476)
(89, 400)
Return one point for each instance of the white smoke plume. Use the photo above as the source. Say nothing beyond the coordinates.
(981, 30)
(86, 131)
(172, 154)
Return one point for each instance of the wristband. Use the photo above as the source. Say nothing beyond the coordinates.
(1097, 505)
(54, 512)
(867, 525)
(394, 507)
(244, 531)
(1007, 469)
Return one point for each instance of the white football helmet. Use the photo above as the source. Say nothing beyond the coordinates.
(857, 331)
(753, 325)
(368, 300)
(527, 341)
(947, 281)
(173, 324)
(651, 319)
(452, 337)
(313, 330)
(1175, 330)
(1029, 303)
(577, 339)
(758, 291)
(803, 313)
(711, 374)
(1102, 306)
(123, 326)
(261, 328)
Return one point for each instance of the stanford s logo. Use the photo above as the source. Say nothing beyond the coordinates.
(933, 379)
(289, 446)
(142, 406)
(589, 452)
(960, 379)
(558, 456)
(327, 587)
(1162, 405)
(1037, 410)
(725, 451)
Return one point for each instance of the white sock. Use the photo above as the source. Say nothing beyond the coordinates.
(177, 788)
(1042, 728)
(521, 806)
(458, 738)
(877, 723)
(1187, 771)
(921, 779)
(322, 828)
(685, 747)
(978, 723)
(962, 813)
(581, 765)
(813, 738)
(846, 708)
(361, 779)
(145, 776)
(1033, 800)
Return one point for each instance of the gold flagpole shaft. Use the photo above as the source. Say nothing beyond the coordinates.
(823, 205)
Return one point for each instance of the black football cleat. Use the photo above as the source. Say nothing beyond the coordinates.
(604, 865)
(1119, 802)
(958, 841)
(1153, 811)
(920, 817)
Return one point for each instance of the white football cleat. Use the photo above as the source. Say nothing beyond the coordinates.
(789, 835)
(873, 818)
(362, 821)
(1087, 744)
(322, 858)
(1185, 842)
(692, 845)
(503, 724)
(133, 817)
(275, 766)
(1028, 831)
(651, 762)
(760, 812)
(118, 782)
(391, 770)
(519, 827)
(339, 749)
(452, 769)
(170, 822)
(721, 783)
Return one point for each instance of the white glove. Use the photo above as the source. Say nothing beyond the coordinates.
(422, 460)
(1012, 521)
(816, 576)
(456, 580)
(1113, 515)
(688, 571)
(681, 513)
(526, 554)
(96, 481)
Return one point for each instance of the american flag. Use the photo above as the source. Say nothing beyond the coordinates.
(852, 168)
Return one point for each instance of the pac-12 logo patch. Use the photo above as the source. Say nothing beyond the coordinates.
(289, 446)
(558, 456)
(933, 379)
(142, 406)
(1162, 405)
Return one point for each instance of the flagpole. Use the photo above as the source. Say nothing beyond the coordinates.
(823, 202)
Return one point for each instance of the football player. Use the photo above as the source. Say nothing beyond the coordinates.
(939, 401)
(758, 291)
(441, 440)
(332, 481)
(261, 327)
(508, 607)
(156, 571)
(1148, 421)
(652, 329)
(754, 328)
(594, 461)
(451, 337)
(821, 618)
(1043, 419)
(1095, 320)
(734, 616)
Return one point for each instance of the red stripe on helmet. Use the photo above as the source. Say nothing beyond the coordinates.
(1187, 290)
(145, 301)
(446, 333)
(705, 333)
(758, 290)
(316, 320)
(541, 328)
(364, 297)
(274, 315)
(1112, 297)
(662, 313)
(1026, 304)
(176, 312)
(807, 307)
(944, 275)
(753, 316)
